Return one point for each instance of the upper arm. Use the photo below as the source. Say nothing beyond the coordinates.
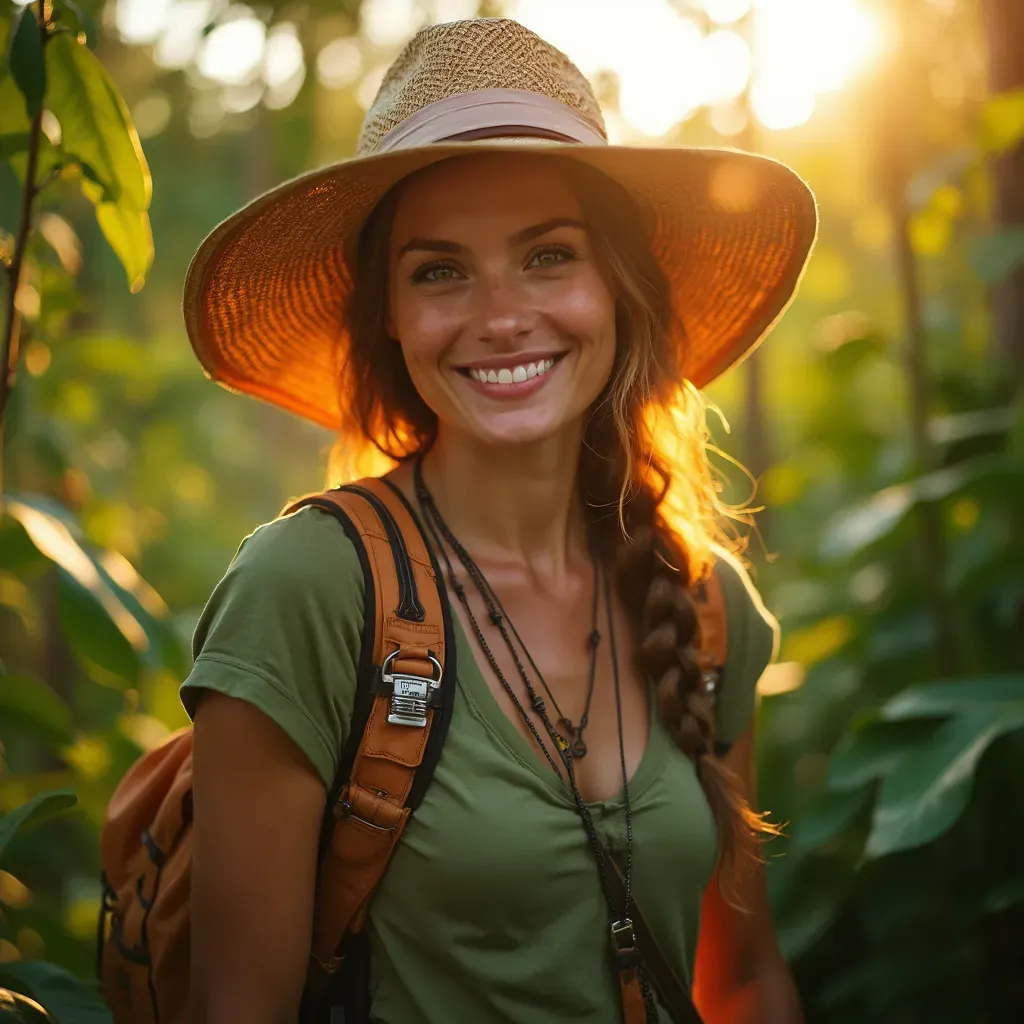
(271, 695)
(258, 804)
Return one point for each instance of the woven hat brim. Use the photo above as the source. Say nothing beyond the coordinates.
(266, 292)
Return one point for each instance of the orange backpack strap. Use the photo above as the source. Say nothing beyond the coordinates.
(405, 690)
(713, 646)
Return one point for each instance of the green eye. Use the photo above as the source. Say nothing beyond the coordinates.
(434, 273)
(551, 256)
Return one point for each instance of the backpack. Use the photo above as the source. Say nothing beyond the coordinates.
(403, 706)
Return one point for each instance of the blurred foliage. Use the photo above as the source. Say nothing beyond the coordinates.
(129, 480)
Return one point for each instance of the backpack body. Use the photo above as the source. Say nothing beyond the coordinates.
(404, 696)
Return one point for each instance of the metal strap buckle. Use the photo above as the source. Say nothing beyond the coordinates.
(623, 938)
(409, 694)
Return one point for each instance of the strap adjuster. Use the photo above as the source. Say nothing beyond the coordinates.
(409, 695)
(624, 942)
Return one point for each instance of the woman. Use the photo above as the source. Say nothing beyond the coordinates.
(513, 320)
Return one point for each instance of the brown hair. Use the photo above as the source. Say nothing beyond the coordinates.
(647, 485)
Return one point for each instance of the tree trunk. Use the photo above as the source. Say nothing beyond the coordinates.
(1004, 28)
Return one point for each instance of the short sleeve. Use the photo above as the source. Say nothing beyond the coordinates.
(283, 629)
(753, 635)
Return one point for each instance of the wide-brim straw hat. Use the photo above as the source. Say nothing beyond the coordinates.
(266, 294)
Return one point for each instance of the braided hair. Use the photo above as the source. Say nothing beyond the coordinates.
(653, 528)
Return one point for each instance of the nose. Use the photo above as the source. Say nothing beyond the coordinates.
(504, 316)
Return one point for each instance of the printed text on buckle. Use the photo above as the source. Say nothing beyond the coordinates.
(409, 695)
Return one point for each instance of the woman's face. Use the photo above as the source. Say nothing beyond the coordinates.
(506, 325)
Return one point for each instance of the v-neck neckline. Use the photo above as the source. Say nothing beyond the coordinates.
(475, 689)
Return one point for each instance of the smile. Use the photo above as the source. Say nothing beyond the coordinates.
(510, 374)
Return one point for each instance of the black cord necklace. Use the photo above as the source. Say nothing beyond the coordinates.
(443, 539)
(573, 733)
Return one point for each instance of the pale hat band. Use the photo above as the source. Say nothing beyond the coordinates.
(490, 113)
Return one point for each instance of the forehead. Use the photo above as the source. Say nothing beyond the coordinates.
(477, 193)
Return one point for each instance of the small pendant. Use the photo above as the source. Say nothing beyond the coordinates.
(579, 748)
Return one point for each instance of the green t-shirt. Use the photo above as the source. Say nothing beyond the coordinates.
(491, 909)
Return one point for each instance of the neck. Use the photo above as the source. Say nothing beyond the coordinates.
(514, 504)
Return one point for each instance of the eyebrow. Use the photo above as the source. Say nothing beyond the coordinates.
(526, 235)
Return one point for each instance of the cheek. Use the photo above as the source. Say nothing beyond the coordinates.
(424, 329)
(587, 311)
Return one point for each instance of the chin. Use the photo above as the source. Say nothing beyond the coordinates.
(520, 429)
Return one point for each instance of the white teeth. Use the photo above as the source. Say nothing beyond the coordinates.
(515, 375)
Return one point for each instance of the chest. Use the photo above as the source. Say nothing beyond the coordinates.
(496, 860)
(579, 664)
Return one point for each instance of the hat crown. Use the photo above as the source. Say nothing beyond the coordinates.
(449, 59)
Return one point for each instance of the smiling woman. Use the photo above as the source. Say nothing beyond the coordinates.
(504, 306)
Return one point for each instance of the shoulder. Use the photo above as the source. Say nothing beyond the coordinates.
(305, 547)
(750, 622)
(752, 639)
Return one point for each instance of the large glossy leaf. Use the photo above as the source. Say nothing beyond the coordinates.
(95, 123)
(956, 696)
(872, 750)
(829, 817)
(858, 528)
(31, 707)
(43, 806)
(928, 787)
(98, 132)
(27, 66)
(68, 999)
(127, 230)
(100, 593)
(93, 634)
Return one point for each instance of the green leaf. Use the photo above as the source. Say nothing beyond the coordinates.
(95, 123)
(13, 119)
(998, 255)
(854, 530)
(28, 67)
(80, 19)
(829, 817)
(43, 806)
(956, 696)
(871, 750)
(31, 707)
(118, 599)
(927, 789)
(68, 999)
(128, 232)
(92, 633)
(963, 426)
(17, 1008)
(1002, 121)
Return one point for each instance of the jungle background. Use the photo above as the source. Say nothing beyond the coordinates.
(883, 421)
